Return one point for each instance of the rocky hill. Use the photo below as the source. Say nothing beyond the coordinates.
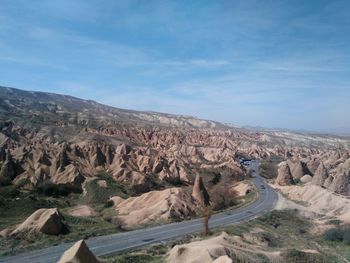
(62, 140)
(55, 109)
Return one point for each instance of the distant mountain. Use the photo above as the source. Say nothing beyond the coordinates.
(42, 107)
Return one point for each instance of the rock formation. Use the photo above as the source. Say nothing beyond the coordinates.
(8, 169)
(155, 206)
(78, 253)
(320, 175)
(199, 192)
(296, 169)
(47, 221)
(284, 176)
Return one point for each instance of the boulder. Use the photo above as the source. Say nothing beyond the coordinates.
(5, 232)
(223, 259)
(78, 253)
(204, 251)
(306, 178)
(47, 221)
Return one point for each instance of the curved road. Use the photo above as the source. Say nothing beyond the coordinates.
(114, 243)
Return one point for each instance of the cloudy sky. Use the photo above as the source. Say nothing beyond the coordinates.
(261, 63)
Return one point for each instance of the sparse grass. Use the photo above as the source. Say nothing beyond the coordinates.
(133, 258)
(99, 195)
(297, 256)
(16, 205)
(78, 228)
(268, 167)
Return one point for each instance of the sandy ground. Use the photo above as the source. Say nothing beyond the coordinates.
(314, 199)
(208, 250)
(242, 188)
(81, 210)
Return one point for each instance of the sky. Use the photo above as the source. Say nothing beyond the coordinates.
(265, 63)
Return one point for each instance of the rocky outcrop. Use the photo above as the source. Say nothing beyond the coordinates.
(154, 206)
(341, 184)
(47, 221)
(328, 182)
(223, 259)
(306, 178)
(199, 192)
(296, 169)
(78, 253)
(70, 178)
(284, 176)
(215, 249)
(62, 159)
(123, 149)
(320, 175)
(8, 169)
(2, 154)
(44, 158)
(98, 158)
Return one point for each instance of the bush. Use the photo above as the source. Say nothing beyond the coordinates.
(109, 203)
(51, 189)
(334, 234)
(346, 235)
(297, 256)
(22, 182)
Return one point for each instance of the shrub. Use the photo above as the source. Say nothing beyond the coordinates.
(346, 235)
(109, 203)
(22, 182)
(333, 234)
(297, 256)
(51, 189)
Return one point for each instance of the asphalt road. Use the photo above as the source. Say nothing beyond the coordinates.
(114, 243)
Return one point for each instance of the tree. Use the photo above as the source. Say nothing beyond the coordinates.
(207, 215)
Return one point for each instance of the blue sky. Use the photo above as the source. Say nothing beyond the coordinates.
(261, 63)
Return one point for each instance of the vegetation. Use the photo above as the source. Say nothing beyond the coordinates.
(338, 234)
(207, 215)
(50, 189)
(297, 256)
(268, 167)
(131, 258)
(97, 196)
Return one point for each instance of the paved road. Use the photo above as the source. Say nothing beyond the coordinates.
(115, 243)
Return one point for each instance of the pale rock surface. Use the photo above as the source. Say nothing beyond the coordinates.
(154, 206)
(78, 253)
(223, 259)
(317, 200)
(320, 175)
(47, 221)
(284, 176)
(217, 249)
(242, 188)
(82, 211)
(199, 192)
